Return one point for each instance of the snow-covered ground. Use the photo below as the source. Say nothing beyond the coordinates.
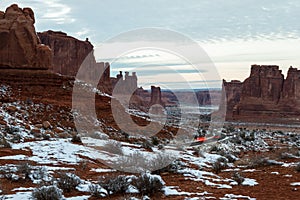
(195, 164)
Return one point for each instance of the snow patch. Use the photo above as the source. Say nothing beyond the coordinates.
(295, 184)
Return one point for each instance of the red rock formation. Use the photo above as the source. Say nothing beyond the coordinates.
(68, 52)
(231, 96)
(19, 45)
(155, 96)
(290, 90)
(265, 83)
(265, 96)
(125, 85)
(104, 83)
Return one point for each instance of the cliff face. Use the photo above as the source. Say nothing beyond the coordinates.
(68, 52)
(291, 89)
(264, 84)
(19, 45)
(265, 96)
(231, 96)
(155, 96)
(124, 85)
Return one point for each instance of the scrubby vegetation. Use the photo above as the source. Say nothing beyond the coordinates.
(219, 165)
(68, 181)
(236, 176)
(116, 185)
(148, 184)
(47, 193)
(113, 147)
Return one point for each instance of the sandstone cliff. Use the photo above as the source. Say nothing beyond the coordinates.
(68, 52)
(231, 95)
(19, 45)
(155, 96)
(265, 96)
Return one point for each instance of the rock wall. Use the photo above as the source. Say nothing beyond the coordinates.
(155, 96)
(264, 84)
(124, 85)
(265, 96)
(68, 52)
(104, 83)
(291, 89)
(20, 47)
(231, 95)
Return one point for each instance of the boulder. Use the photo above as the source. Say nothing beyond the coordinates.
(46, 125)
(12, 109)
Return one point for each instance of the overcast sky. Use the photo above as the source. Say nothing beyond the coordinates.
(234, 33)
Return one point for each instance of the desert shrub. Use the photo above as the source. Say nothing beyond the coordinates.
(16, 138)
(160, 146)
(4, 143)
(147, 145)
(280, 132)
(117, 185)
(172, 167)
(83, 164)
(229, 129)
(201, 132)
(219, 165)
(231, 158)
(25, 169)
(76, 139)
(124, 134)
(113, 147)
(11, 177)
(96, 190)
(155, 141)
(46, 136)
(163, 161)
(99, 135)
(298, 167)
(248, 136)
(236, 139)
(136, 161)
(68, 181)
(291, 152)
(139, 162)
(198, 152)
(11, 130)
(215, 148)
(148, 184)
(47, 193)
(39, 173)
(236, 176)
(285, 155)
(259, 161)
